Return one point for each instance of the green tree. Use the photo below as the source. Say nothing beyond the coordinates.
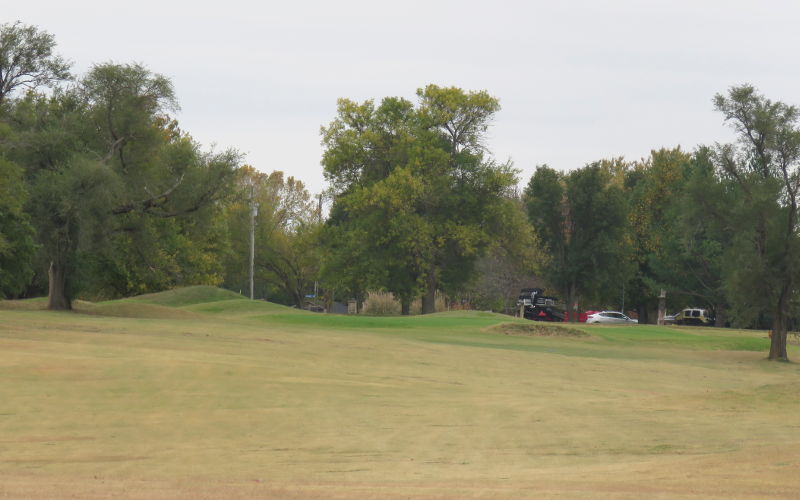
(285, 230)
(27, 59)
(579, 218)
(415, 184)
(105, 163)
(512, 263)
(689, 257)
(16, 233)
(651, 185)
(762, 173)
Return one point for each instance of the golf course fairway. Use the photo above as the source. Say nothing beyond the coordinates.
(200, 393)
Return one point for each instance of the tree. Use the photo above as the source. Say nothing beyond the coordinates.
(285, 236)
(415, 184)
(16, 233)
(651, 186)
(689, 258)
(27, 59)
(510, 265)
(579, 219)
(105, 164)
(762, 174)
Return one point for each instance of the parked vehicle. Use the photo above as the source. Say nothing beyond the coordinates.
(537, 306)
(610, 317)
(694, 316)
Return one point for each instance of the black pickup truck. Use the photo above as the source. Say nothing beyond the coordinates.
(537, 306)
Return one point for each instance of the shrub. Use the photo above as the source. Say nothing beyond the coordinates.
(381, 304)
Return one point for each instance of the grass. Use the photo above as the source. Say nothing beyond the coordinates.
(204, 394)
(186, 296)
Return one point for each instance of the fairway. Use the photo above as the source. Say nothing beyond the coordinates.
(199, 393)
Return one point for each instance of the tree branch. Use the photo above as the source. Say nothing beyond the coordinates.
(149, 203)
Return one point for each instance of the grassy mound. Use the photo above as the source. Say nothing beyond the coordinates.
(190, 295)
(36, 304)
(127, 309)
(536, 330)
(240, 307)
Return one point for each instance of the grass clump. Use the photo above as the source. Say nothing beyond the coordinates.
(381, 304)
(536, 330)
(386, 304)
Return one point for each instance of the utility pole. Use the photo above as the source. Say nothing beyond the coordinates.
(319, 221)
(253, 213)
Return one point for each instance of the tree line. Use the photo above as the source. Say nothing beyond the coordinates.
(103, 195)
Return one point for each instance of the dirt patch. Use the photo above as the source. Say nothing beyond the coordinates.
(536, 330)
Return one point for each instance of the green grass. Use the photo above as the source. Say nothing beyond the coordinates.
(187, 296)
(688, 337)
(217, 396)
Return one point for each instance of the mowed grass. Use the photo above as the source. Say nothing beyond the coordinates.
(201, 393)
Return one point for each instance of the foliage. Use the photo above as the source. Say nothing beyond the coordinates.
(659, 229)
(285, 236)
(510, 264)
(579, 219)
(690, 259)
(761, 177)
(108, 170)
(416, 200)
(16, 233)
(27, 59)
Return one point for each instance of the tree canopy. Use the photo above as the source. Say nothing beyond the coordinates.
(415, 184)
(27, 59)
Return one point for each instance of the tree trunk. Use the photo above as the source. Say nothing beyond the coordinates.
(572, 310)
(57, 298)
(720, 316)
(777, 344)
(429, 297)
(298, 297)
(405, 306)
(643, 314)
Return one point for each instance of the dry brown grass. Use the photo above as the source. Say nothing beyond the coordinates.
(533, 329)
(381, 304)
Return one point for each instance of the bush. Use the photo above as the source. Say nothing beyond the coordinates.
(381, 304)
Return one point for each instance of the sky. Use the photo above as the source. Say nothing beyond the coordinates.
(578, 81)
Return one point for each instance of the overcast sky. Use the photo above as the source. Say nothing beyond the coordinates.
(578, 81)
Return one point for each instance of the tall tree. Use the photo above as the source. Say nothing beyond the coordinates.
(16, 233)
(688, 259)
(651, 185)
(512, 263)
(27, 59)
(101, 159)
(416, 183)
(579, 218)
(762, 171)
(285, 232)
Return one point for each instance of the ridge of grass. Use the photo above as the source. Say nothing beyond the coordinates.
(190, 295)
(242, 307)
(129, 309)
